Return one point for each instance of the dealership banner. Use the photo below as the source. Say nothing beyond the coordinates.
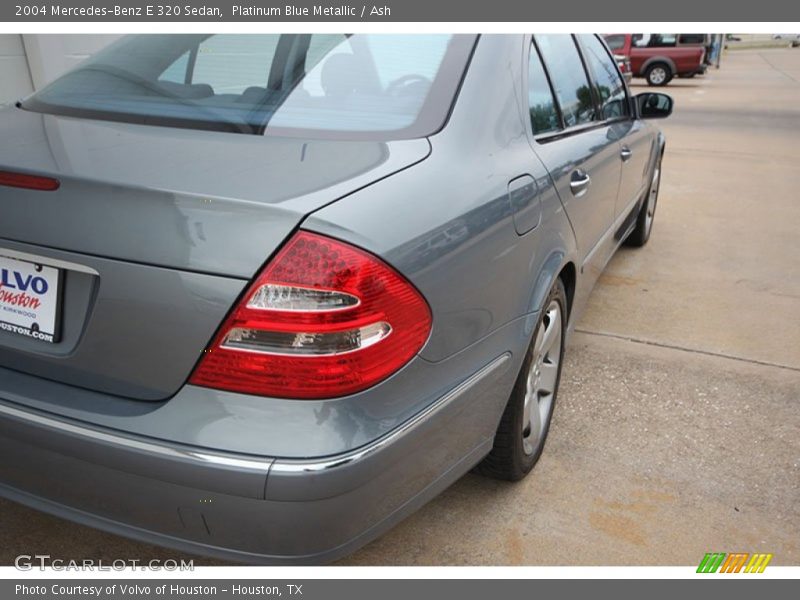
(396, 11)
(399, 589)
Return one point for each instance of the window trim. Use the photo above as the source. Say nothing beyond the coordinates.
(593, 81)
(533, 46)
(564, 132)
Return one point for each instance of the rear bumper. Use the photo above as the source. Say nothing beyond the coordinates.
(243, 507)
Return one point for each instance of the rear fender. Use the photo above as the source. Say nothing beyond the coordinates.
(658, 59)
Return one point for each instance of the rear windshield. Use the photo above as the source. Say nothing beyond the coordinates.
(364, 86)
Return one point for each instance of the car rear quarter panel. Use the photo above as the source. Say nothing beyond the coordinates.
(447, 223)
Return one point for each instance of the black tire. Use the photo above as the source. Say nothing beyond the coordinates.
(644, 226)
(658, 74)
(508, 458)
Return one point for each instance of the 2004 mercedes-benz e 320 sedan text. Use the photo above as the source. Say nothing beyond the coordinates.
(265, 295)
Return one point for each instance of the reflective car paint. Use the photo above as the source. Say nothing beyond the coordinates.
(306, 481)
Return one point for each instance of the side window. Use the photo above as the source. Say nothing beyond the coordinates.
(692, 38)
(541, 104)
(665, 40)
(608, 83)
(654, 40)
(568, 76)
(615, 42)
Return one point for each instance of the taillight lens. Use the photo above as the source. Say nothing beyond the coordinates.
(29, 182)
(323, 319)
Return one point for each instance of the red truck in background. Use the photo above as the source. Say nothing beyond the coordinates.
(658, 57)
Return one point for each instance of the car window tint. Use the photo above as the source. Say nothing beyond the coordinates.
(176, 72)
(372, 81)
(692, 38)
(607, 80)
(321, 45)
(381, 86)
(377, 63)
(615, 42)
(568, 77)
(541, 104)
(231, 63)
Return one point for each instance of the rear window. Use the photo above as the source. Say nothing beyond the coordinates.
(363, 86)
(615, 42)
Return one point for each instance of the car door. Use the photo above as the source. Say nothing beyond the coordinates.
(635, 137)
(579, 150)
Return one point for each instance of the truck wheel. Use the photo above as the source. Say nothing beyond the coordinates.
(658, 74)
(520, 437)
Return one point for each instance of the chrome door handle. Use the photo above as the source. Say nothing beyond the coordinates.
(625, 154)
(579, 182)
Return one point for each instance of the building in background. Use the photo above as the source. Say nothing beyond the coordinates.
(28, 62)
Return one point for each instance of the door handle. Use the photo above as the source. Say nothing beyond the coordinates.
(579, 182)
(625, 154)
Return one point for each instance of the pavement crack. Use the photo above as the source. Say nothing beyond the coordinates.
(635, 340)
(774, 67)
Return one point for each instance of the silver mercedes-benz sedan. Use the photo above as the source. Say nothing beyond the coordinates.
(263, 296)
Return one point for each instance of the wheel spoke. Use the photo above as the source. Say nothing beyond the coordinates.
(538, 343)
(530, 398)
(540, 384)
(535, 421)
(652, 197)
(547, 381)
(552, 333)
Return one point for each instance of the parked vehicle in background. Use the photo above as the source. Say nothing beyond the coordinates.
(704, 40)
(624, 65)
(319, 294)
(658, 57)
(793, 38)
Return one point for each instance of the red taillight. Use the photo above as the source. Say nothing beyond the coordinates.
(323, 319)
(29, 182)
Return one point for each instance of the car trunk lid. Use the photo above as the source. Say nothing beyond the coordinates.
(155, 232)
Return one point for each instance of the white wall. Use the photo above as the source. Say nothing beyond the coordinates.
(15, 78)
(28, 62)
(51, 55)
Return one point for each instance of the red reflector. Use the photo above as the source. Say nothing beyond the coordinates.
(29, 182)
(324, 319)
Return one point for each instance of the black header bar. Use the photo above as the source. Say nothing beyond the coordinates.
(472, 11)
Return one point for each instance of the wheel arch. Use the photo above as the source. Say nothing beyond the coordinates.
(658, 59)
(568, 276)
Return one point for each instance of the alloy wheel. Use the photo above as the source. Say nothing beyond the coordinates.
(542, 378)
(658, 75)
(652, 198)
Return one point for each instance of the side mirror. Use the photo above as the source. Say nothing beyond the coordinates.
(652, 105)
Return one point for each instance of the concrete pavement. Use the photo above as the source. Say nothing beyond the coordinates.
(678, 426)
